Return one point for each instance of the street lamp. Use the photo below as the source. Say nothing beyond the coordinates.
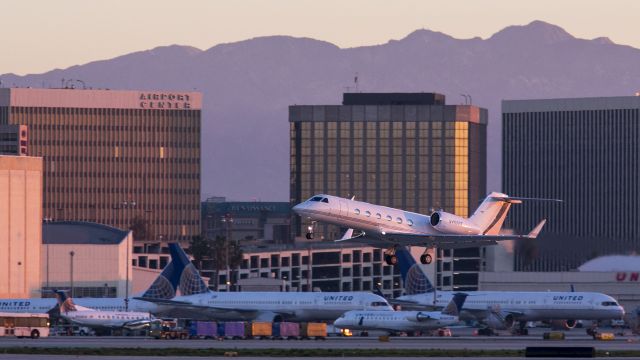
(71, 254)
(227, 219)
(126, 205)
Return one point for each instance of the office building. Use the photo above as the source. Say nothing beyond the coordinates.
(585, 152)
(121, 158)
(247, 221)
(13, 140)
(408, 151)
(20, 226)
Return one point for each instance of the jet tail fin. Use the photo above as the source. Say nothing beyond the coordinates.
(190, 281)
(415, 279)
(455, 305)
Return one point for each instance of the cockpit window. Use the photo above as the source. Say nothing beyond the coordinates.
(379, 303)
(609, 303)
(316, 198)
(325, 200)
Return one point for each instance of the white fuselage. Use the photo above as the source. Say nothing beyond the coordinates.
(528, 306)
(42, 305)
(109, 319)
(370, 218)
(267, 306)
(394, 321)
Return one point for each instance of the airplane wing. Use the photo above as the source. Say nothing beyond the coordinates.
(188, 305)
(444, 241)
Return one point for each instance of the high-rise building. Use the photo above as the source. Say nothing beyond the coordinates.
(20, 226)
(121, 158)
(584, 151)
(408, 151)
(13, 140)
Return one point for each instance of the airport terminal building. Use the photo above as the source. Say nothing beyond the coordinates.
(119, 158)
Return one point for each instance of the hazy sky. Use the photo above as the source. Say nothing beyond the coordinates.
(39, 35)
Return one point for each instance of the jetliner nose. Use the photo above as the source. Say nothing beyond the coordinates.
(298, 208)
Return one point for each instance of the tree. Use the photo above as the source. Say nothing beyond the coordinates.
(200, 248)
(141, 229)
(226, 253)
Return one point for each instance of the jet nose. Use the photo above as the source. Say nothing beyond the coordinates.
(296, 209)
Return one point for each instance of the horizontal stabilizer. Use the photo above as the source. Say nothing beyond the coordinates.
(536, 230)
(518, 199)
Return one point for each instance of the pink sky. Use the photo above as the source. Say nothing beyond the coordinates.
(43, 35)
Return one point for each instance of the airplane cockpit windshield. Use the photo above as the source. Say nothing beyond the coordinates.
(609, 303)
(319, 198)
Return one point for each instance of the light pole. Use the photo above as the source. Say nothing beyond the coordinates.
(71, 254)
(126, 205)
(227, 219)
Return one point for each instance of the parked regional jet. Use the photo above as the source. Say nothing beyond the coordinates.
(385, 227)
(163, 287)
(265, 306)
(405, 321)
(84, 316)
(500, 310)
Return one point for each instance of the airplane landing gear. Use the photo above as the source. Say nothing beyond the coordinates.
(426, 258)
(390, 256)
(310, 231)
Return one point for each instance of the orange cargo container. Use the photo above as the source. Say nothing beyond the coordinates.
(260, 329)
(314, 330)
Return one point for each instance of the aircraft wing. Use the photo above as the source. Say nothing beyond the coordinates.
(188, 305)
(443, 241)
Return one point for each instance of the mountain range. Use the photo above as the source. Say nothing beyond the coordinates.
(247, 87)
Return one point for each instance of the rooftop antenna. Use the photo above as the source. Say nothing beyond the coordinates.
(355, 81)
(465, 98)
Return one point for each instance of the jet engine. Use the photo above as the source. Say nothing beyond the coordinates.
(269, 316)
(420, 316)
(563, 324)
(500, 321)
(452, 224)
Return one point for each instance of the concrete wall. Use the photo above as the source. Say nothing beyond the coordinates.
(93, 265)
(20, 226)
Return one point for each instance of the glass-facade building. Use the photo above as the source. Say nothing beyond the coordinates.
(408, 151)
(114, 156)
(586, 152)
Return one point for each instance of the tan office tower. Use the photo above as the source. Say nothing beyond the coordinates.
(20, 226)
(120, 158)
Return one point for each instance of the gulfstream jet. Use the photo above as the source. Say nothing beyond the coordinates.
(502, 310)
(198, 302)
(385, 227)
(403, 321)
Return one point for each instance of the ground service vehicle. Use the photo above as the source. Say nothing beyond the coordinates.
(167, 330)
(24, 324)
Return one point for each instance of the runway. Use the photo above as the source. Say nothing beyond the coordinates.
(449, 343)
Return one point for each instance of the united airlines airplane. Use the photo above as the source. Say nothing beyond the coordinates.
(203, 304)
(501, 310)
(84, 316)
(163, 287)
(385, 227)
(403, 321)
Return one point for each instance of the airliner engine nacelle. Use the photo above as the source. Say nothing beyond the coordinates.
(452, 224)
(500, 321)
(420, 316)
(563, 324)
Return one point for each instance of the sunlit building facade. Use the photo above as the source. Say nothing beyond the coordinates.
(114, 156)
(407, 151)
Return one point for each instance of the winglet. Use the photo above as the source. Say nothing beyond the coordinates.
(536, 230)
(347, 234)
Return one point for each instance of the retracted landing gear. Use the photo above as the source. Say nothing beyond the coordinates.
(390, 256)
